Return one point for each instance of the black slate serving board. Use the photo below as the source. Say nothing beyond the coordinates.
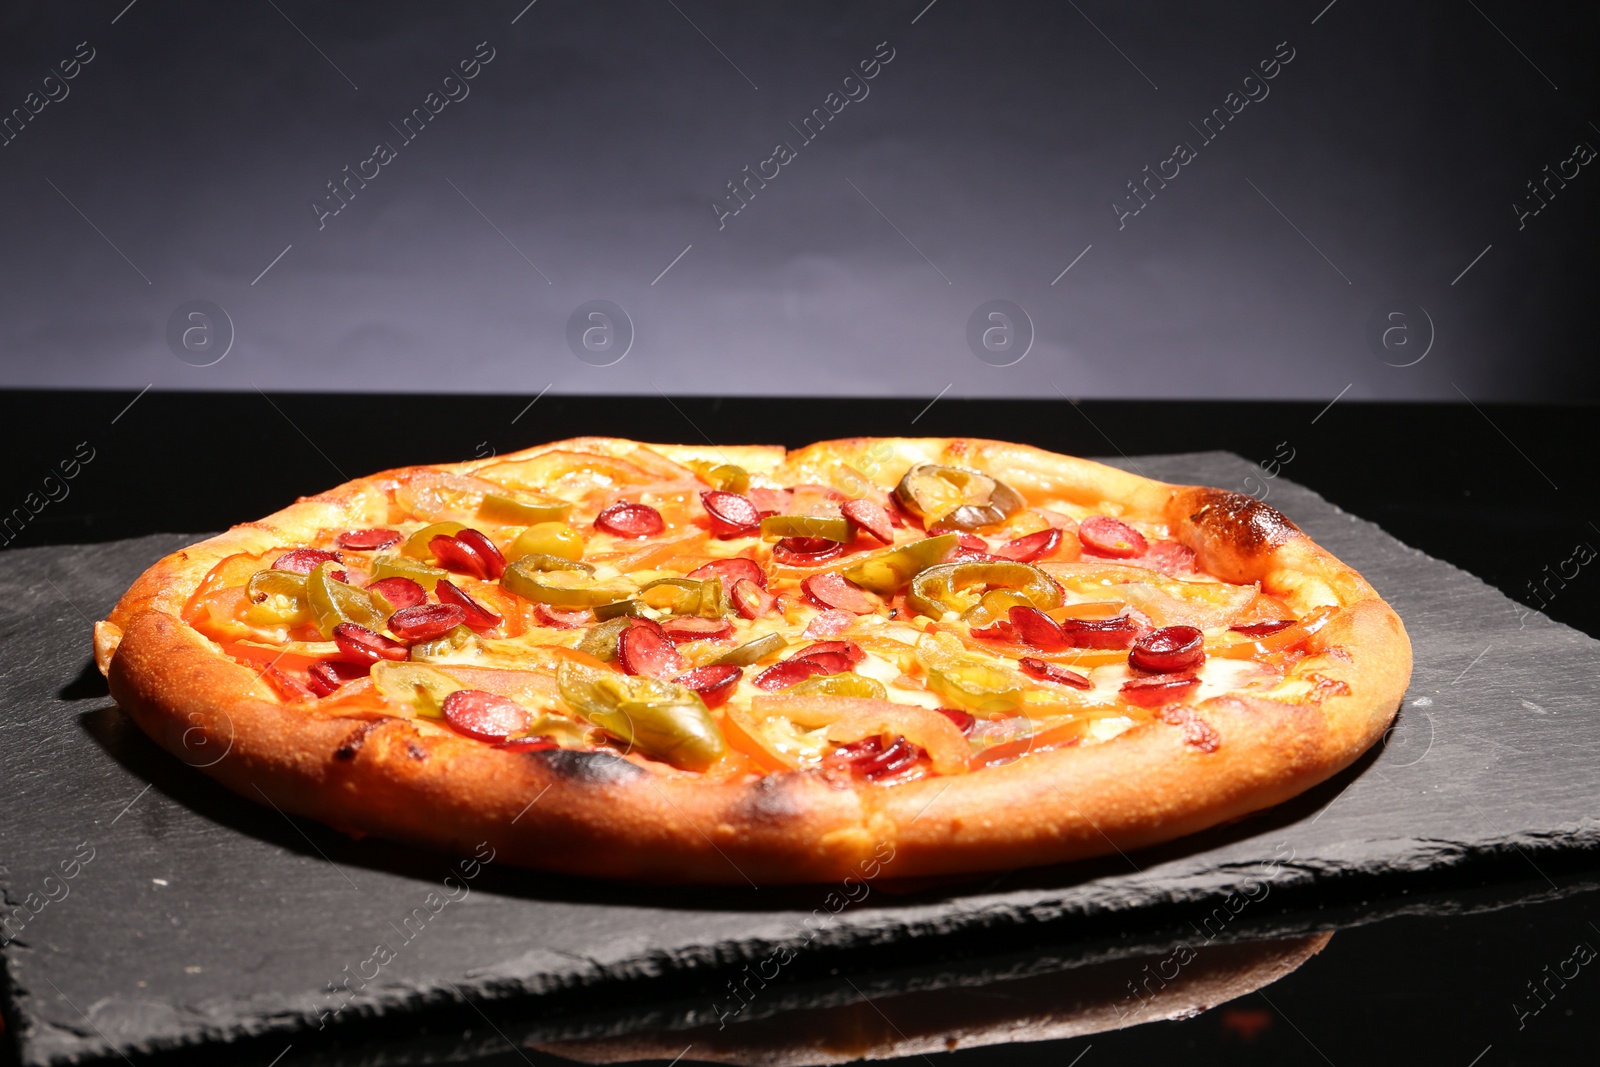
(158, 910)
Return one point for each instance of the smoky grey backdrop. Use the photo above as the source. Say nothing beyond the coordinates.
(1287, 200)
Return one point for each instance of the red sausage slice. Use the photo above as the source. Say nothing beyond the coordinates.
(426, 621)
(1049, 672)
(630, 520)
(791, 671)
(963, 720)
(361, 645)
(1033, 546)
(1262, 629)
(751, 601)
(1104, 536)
(304, 560)
(484, 547)
(1169, 557)
(562, 620)
(645, 650)
(1168, 649)
(456, 555)
(692, 629)
(1036, 628)
(369, 540)
(869, 517)
(1158, 689)
(286, 685)
(732, 571)
(715, 683)
(479, 618)
(849, 649)
(830, 623)
(399, 592)
(326, 675)
(832, 590)
(1099, 633)
(732, 515)
(806, 551)
(484, 716)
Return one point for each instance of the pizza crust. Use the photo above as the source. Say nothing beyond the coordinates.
(593, 814)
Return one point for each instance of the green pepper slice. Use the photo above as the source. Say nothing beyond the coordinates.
(842, 685)
(632, 609)
(511, 511)
(457, 640)
(569, 585)
(965, 680)
(421, 688)
(884, 572)
(827, 527)
(753, 651)
(277, 598)
(403, 567)
(601, 641)
(948, 587)
(416, 545)
(995, 606)
(729, 478)
(662, 720)
(954, 498)
(333, 602)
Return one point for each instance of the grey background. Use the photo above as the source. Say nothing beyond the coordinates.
(1385, 159)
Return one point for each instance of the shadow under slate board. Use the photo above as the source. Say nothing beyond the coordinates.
(149, 908)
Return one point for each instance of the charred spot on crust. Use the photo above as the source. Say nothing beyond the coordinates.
(770, 800)
(416, 751)
(596, 768)
(1242, 522)
(1197, 733)
(351, 745)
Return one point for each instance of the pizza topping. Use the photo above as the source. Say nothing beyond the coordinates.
(750, 600)
(753, 651)
(417, 687)
(840, 685)
(630, 520)
(963, 720)
(485, 716)
(644, 649)
(831, 590)
(1158, 689)
(426, 621)
(304, 560)
(522, 510)
(1031, 547)
(1262, 629)
(1105, 536)
(1168, 649)
(830, 623)
(714, 682)
(326, 675)
(1049, 672)
(278, 598)
(849, 649)
(419, 544)
(562, 583)
(369, 540)
(969, 681)
(950, 586)
(696, 629)
(731, 515)
(869, 758)
(870, 517)
(662, 720)
(462, 557)
(1117, 632)
(548, 539)
(783, 675)
(1036, 628)
(486, 549)
(286, 685)
(728, 476)
(732, 571)
(806, 551)
(361, 645)
(601, 641)
(1171, 558)
(834, 528)
(333, 601)
(405, 567)
(478, 617)
(561, 620)
(951, 498)
(392, 594)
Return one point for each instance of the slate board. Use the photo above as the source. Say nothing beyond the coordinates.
(202, 917)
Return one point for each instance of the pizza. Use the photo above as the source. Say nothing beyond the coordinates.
(745, 664)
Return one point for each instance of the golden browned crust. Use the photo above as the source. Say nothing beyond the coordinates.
(593, 814)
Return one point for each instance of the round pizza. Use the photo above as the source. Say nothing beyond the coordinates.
(727, 664)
